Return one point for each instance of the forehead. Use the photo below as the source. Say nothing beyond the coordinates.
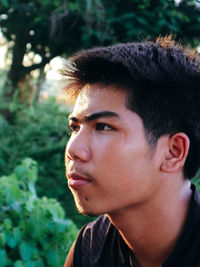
(99, 97)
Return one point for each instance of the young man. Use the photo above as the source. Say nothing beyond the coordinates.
(134, 147)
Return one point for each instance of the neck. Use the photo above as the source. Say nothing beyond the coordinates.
(152, 230)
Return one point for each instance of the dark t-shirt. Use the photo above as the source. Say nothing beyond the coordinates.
(99, 243)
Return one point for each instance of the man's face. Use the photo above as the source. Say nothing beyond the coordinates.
(109, 164)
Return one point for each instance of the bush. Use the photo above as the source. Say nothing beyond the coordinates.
(33, 230)
(39, 132)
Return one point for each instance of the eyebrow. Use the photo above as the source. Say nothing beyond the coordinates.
(96, 115)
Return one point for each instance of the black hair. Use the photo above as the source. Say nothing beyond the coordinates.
(162, 81)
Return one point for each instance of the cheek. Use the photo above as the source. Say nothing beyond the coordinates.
(67, 161)
(66, 158)
(104, 148)
(126, 166)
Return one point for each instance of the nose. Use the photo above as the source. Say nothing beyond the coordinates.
(77, 148)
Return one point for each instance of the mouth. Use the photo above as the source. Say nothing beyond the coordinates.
(77, 181)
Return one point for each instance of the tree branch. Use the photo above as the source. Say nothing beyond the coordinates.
(27, 70)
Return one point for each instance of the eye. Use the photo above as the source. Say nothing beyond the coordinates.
(103, 127)
(73, 128)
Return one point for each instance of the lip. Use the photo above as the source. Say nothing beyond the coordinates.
(76, 180)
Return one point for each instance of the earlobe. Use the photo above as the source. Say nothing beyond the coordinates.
(178, 146)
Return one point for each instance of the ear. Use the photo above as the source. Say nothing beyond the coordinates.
(178, 146)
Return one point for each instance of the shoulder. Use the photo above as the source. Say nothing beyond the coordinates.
(89, 242)
(195, 206)
(92, 240)
(191, 235)
(93, 234)
(70, 257)
(187, 250)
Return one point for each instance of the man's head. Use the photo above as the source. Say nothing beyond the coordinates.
(162, 85)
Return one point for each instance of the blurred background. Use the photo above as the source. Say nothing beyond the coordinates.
(38, 219)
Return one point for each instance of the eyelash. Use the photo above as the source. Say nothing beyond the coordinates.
(98, 127)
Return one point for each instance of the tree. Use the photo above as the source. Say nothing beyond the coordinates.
(47, 28)
(145, 19)
(58, 27)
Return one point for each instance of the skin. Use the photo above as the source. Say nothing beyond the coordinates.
(140, 188)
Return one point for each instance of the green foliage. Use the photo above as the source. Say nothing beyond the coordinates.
(33, 230)
(144, 19)
(46, 28)
(39, 132)
(53, 28)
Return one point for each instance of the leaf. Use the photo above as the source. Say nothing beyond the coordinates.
(10, 190)
(31, 167)
(31, 187)
(142, 20)
(19, 264)
(30, 264)
(3, 258)
(37, 228)
(11, 242)
(37, 263)
(5, 3)
(30, 203)
(16, 206)
(56, 211)
(26, 250)
(17, 234)
(20, 172)
(7, 223)
(52, 258)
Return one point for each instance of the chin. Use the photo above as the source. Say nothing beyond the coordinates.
(88, 212)
(87, 209)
